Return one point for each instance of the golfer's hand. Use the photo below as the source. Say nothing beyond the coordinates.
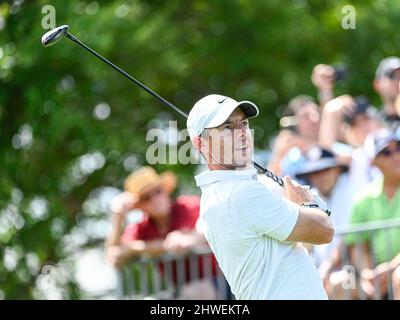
(296, 192)
(123, 203)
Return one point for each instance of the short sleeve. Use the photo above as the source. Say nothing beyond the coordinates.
(263, 211)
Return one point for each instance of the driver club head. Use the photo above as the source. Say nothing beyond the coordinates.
(53, 36)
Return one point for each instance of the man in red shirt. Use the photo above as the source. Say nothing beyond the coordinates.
(167, 226)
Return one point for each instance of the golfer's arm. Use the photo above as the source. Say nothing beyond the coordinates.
(312, 226)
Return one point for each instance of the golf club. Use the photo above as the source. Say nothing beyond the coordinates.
(53, 36)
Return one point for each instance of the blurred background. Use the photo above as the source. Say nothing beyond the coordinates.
(71, 128)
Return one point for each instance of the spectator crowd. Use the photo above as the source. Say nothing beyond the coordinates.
(344, 148)
(349, 151)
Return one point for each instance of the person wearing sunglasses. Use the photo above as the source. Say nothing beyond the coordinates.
(377, 255)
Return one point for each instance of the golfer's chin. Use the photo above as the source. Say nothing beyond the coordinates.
(233, 166)
(242, 166)
(242, 158)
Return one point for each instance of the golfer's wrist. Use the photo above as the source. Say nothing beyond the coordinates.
(316, 206)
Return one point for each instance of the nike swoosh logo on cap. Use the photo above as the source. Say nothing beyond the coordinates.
(221, 101)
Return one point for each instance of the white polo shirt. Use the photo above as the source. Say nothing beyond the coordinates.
(245, 222)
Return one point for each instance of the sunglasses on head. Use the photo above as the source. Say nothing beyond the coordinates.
(388, 152)
(149, 195)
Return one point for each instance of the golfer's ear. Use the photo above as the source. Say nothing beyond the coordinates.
(376, 84)
(197, 142)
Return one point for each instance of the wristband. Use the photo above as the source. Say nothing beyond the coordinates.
(314, 205)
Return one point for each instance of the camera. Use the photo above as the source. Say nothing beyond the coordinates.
(341, 72)
(362, 106)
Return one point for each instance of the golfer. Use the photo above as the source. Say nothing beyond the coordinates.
(253, 227)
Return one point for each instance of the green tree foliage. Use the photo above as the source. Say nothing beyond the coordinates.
(258, 50)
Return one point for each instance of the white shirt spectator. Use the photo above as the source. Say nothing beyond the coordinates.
(246, 223)
(361, 170)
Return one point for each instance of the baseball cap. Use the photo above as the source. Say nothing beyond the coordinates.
(213, 110)
(379, 140)
(387, 66)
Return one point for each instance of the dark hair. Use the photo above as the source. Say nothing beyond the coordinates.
(296, 104)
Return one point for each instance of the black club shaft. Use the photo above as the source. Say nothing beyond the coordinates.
(157, 96)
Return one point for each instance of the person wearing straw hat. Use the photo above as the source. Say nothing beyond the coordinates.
(167, 226)
(253, 228)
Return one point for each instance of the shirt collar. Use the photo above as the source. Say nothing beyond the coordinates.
(211, 176)
(378, 191)
(377, 188)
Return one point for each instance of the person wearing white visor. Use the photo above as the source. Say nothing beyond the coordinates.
(253, 227)
(211, 112)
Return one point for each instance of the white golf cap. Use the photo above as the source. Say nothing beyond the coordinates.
(213, 110)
